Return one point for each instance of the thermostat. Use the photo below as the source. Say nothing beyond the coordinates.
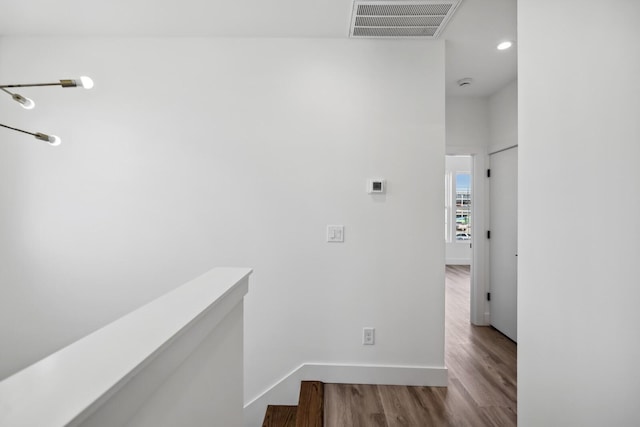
(376, 186)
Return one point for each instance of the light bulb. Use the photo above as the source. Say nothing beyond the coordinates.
(86, 82)
(54, 140)
(26, 103)
(51, 139)
(504, 45)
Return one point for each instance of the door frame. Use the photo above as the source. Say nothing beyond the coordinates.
(479, 307)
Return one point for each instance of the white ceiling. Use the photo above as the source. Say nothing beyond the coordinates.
(472, 34)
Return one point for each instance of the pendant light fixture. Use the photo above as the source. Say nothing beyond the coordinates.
(28, 104)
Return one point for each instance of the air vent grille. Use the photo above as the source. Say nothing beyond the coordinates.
(403, 9)
(410, 21)
(398, 19)
(393, 32)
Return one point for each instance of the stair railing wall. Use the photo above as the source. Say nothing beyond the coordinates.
(175, 361)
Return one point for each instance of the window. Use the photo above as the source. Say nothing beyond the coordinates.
(463, 206)
(457, 211)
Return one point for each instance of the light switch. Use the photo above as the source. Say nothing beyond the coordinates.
(335, 233)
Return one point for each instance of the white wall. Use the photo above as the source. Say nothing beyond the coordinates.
(197, 393)
(467, 122)
(195, 153)
(579, 103)
(503, 118)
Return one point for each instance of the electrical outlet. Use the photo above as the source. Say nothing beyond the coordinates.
(368, 336)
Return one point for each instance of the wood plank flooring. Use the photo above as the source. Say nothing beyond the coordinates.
(280, 416)
(482, 379)
(310, 404)
(309, 412)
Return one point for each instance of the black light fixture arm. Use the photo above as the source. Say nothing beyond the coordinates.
(31, 85)
(63, 83)
(51, 139)
(19, 130)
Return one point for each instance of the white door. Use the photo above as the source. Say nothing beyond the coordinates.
(504, 241)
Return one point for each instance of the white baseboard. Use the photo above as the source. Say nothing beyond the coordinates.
(458, 261)
(286, 391)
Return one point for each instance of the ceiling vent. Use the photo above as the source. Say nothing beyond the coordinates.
(401, 19)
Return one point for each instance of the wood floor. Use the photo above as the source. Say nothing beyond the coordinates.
(482, 380)
(309, 412)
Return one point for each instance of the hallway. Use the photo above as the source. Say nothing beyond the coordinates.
(482, 379)
(481, 361)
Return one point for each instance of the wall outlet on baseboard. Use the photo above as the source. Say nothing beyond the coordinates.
(368, 336)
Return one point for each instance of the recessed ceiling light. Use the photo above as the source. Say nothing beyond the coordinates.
(504, 45)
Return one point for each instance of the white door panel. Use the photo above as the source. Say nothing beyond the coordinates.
(504, 241)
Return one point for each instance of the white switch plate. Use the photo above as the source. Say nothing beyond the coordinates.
(335, 233)
(376, 186)
(368, 336)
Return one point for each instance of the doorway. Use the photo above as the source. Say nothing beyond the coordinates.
(475, 161)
